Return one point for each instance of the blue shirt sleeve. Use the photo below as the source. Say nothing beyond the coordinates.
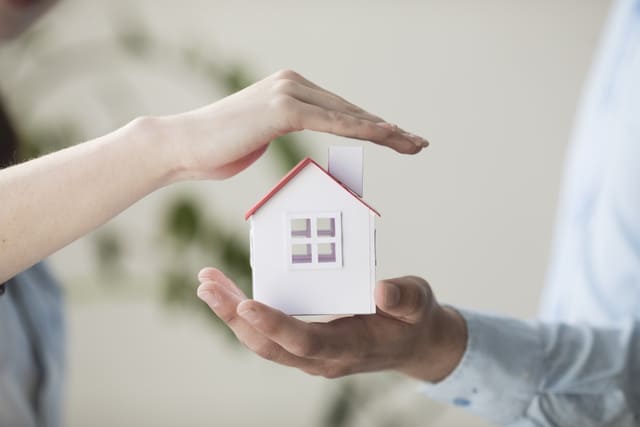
(579, 365)
(517, 373)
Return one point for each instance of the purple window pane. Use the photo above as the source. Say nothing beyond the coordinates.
(327, 252)
(301, 227)
(327, 227)
(301, 254)
(301, 259)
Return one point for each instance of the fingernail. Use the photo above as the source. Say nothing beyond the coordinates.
(391, 295)
(418, 140)
(202, 274)
(421, 141)
(249, 314)
(208, 296)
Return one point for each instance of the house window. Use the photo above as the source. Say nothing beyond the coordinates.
(301, 253)
(314, 240)
(327, 226)
(301, 227)
(326, 252)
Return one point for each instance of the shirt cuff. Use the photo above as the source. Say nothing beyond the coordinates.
(498, 375)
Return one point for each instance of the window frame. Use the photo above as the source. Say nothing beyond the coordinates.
(314, 240)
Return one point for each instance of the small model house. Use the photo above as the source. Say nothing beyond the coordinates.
(313, 239)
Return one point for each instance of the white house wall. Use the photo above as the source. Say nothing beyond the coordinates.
(346, 290)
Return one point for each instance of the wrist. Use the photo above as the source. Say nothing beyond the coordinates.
(157, 149)
(440, 348)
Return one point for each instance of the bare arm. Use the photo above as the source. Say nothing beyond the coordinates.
(49, 202)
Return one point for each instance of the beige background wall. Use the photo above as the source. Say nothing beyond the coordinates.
(492, 84)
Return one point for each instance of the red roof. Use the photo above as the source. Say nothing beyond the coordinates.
(289, 176)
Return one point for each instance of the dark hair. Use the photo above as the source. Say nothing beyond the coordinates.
(8, 140)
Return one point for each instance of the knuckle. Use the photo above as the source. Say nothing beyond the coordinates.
(339, 120)
(334, 116)
(267, 351)
(286, 73)
(270, 326)
(228, 317)
(373, 131)
(384, 132)
(283, 103)
(331, 116)
(284, 86)
(286, 112)
(306, 347)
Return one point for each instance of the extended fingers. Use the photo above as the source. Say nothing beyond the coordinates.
(292, 334)
(308, 106)
(210, 274)
(334, 349)
(312, 117)
(308, 340)
(223, 302)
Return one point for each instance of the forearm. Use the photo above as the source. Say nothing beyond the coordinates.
(51, 201)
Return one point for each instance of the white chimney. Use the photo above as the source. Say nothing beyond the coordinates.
(346, 165)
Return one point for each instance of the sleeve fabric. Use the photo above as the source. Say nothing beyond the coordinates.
(517, 373)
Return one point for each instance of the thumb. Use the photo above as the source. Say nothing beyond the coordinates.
(406, 298)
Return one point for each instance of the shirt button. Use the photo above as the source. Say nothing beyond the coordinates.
(461, 401)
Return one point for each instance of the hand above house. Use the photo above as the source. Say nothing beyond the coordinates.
(227, 136)
(212, 142)
(411, 333)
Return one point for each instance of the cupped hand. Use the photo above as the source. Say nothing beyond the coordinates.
(221, 139)
(411, 333)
